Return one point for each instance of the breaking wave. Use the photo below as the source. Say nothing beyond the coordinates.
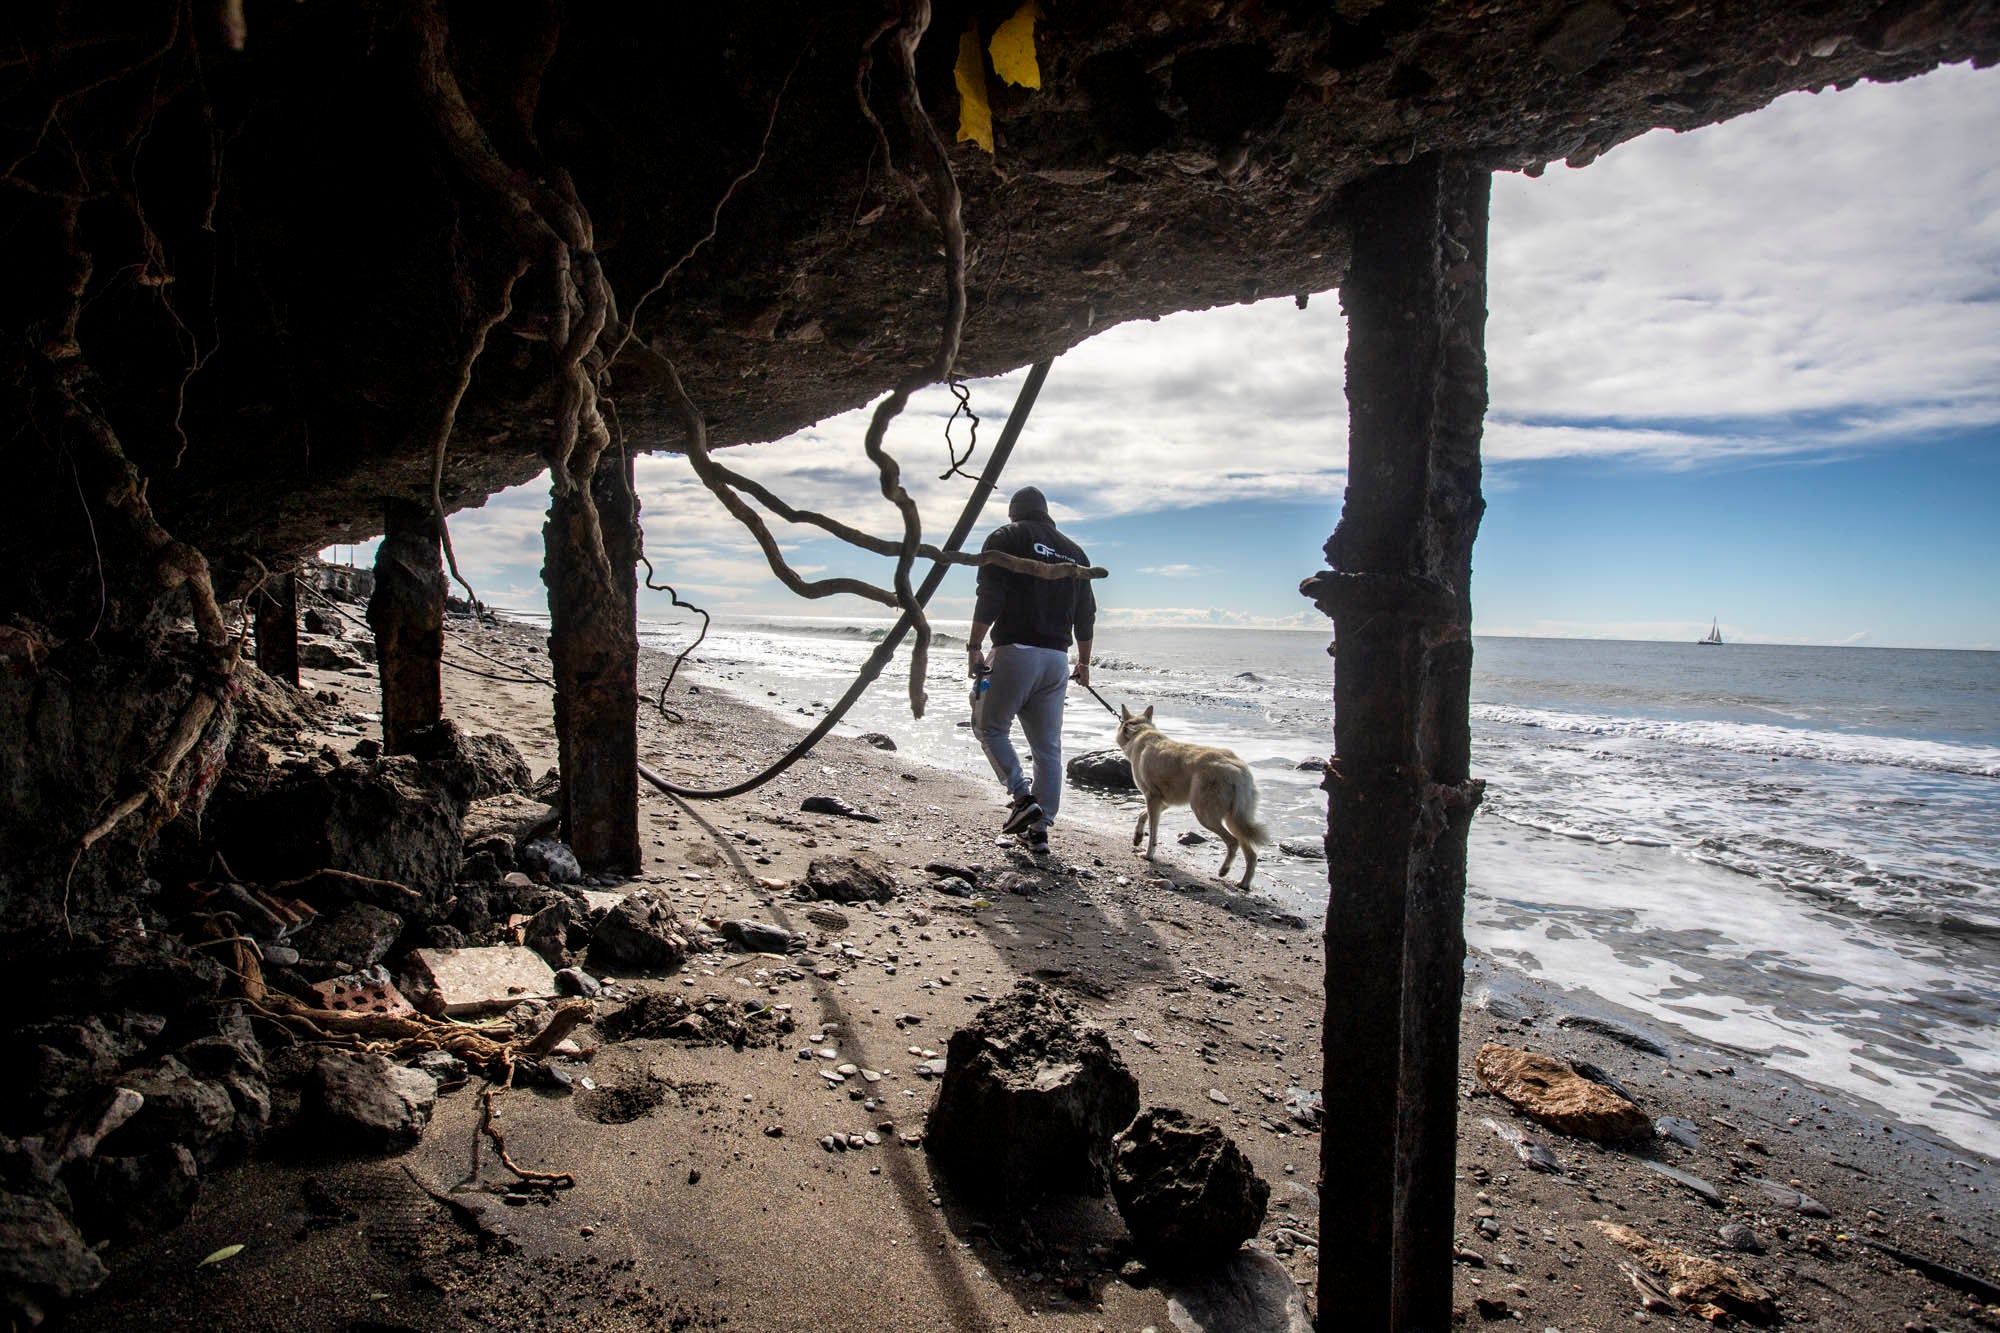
(1832, 747)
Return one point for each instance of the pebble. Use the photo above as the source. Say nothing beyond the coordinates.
(1739, 1237)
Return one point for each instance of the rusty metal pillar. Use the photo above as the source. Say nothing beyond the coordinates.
(594, 648)
(406, 611)
(1399, 794)
(278, 628)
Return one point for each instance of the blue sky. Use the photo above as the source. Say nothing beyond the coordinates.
(1750, 372)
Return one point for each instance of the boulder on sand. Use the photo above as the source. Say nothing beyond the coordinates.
(1031, 1097)
(862, 877)
(1109, 769)
(1547, 1089)
(1186, 1191)
(640, 934)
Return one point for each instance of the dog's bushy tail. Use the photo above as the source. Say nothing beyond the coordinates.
(1243, 821)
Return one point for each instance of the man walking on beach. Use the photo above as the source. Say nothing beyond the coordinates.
(1032, 621)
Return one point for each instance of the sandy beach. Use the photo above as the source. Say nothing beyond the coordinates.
(703, 1196)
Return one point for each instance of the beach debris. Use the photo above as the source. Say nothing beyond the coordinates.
(1739, 1237)
(478, 767)
(1603, 1078)
(1687, 1180)
(710, 1020)
(953, 887)
(1533, 1154)
(833, 805)
(504, 823)
(1970, 1283)
(1109, 769)
(1550, 1091)
(757, 936)
(359, 1099)
(859, 877)
(1306, 1105)
(1678, 1129)
(576, 981)
(1786, 1196)
(879, 740)
(828, 918)
(641, 934)
(451, 982)
(1306, 849)
(1618, 1032)
(1190, 838)
(1709, 1290)
(1030, 1099)
(552, 860)
(1186, 1191)
(1506, 1008)
(369, 991)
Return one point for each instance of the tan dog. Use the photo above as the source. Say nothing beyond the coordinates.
(1211, 780)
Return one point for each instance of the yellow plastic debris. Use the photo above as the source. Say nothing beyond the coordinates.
(975, 114)
(1013, 48)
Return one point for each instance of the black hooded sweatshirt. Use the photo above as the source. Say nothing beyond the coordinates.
(1024, 609)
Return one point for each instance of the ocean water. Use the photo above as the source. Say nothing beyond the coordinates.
(1792, 851)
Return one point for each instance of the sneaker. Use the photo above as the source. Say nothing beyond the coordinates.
(1024, 812)
(1036, 841)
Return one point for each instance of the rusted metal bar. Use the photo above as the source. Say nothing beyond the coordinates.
(406, 611)
(594, 648)
(278, 628)
(1400, 797)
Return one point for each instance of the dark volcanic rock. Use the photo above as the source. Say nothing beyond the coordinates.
(358, 936)
(179, 1108)
(476, 767)
(862, 877)
(1109, 769)
(833, 805)
(43, 1261)
(552, 860)
(1030, 1100)
(360, 1100)
(123, 1198)
(757, 936)
(547, 933)
(640, 934)
(880, 740)
(1185, 1189)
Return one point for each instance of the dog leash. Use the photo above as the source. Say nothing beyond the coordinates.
(1100, 698)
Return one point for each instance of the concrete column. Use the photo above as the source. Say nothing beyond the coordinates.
(278, 628)
(594, 649)
(1400, 798)
(406, 611)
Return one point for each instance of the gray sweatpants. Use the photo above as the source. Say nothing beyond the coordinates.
(1028, 683)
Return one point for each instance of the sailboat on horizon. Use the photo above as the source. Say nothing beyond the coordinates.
(1714, 634)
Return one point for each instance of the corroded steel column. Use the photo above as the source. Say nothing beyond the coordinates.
(594, 648)
(1399, 794)
(406, 611)
(278, 628)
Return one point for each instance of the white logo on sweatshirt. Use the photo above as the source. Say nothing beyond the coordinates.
(1050, 553)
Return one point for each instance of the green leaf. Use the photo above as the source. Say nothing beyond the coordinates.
(226, 1252)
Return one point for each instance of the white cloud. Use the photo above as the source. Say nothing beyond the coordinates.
(1822, 277)
(1175, 571)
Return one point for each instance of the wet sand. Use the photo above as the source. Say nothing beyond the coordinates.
(694, 1213)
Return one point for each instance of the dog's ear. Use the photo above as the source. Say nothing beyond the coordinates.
(1124, 713)
(1149, 712)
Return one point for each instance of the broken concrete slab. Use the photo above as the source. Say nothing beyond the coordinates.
(1550, 1091)
(452, 982)
(641, 934)
(861, 877)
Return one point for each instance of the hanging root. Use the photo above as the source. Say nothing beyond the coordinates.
(175, 564)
